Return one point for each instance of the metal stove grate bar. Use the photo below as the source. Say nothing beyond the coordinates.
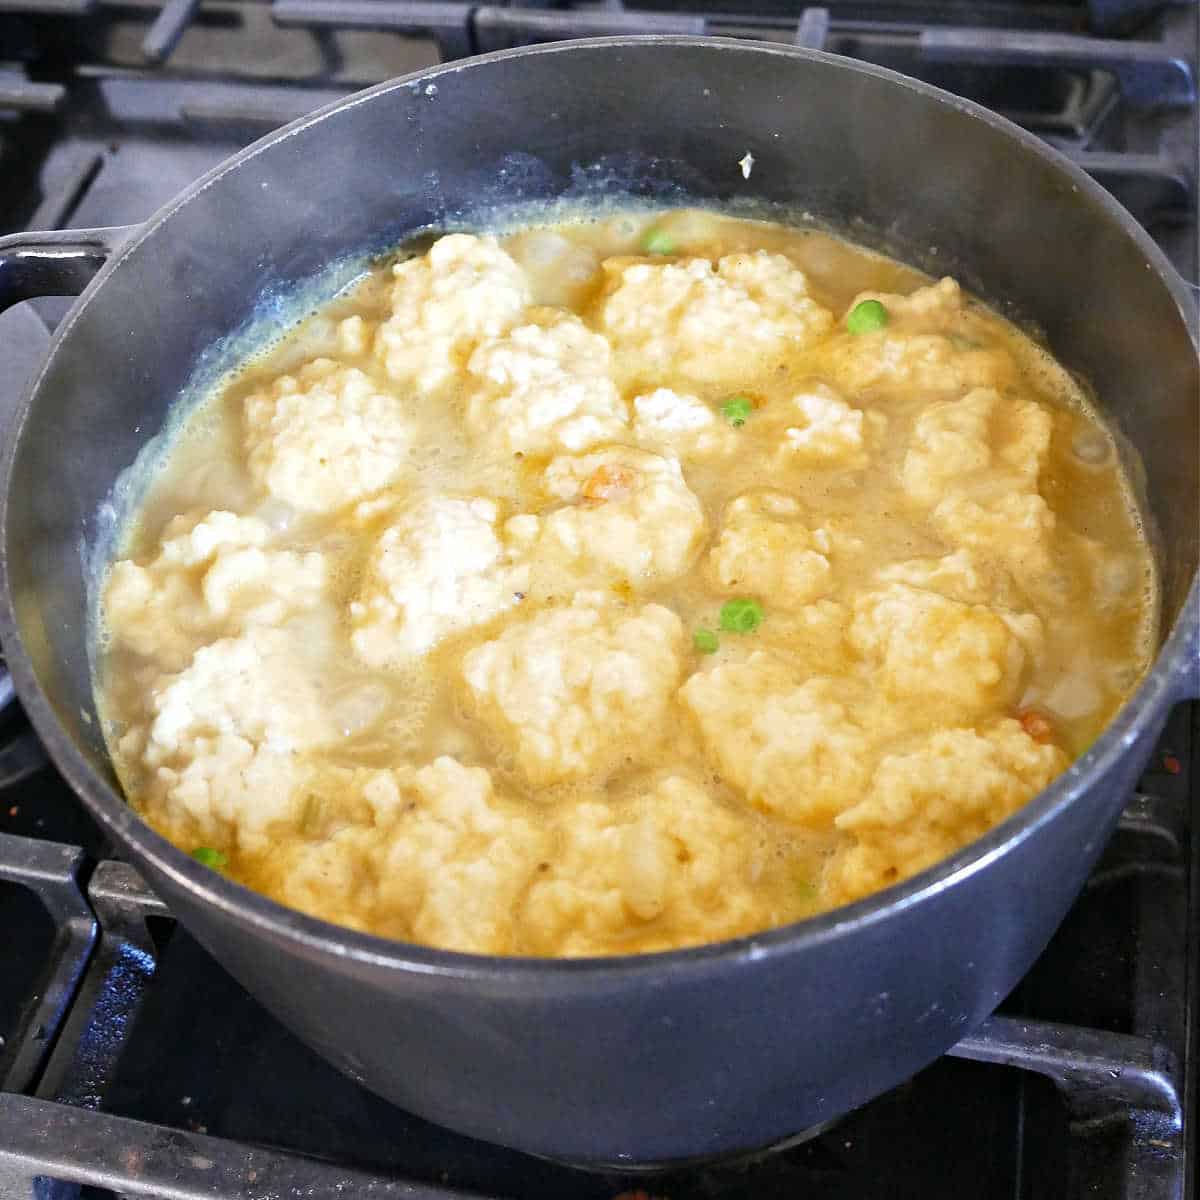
(1115, 1086)
(107, 1002)
(21, 95)
(448, 23)
(1096, 1072)
(496, 25)
(246, 104)
(1117, 107)
(51, 8)
(1150, 73)
(45, 1148)
(169, 26)
(53, 873)
(1099, 1074)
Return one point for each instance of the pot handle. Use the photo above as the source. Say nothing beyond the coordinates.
(61, 262)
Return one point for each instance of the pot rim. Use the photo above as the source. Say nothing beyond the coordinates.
(1162, 685)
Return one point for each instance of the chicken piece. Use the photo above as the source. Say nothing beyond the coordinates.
(354, 336)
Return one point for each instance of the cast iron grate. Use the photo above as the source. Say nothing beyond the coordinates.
(1111, 82)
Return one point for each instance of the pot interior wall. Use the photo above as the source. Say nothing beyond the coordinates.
(667, 121)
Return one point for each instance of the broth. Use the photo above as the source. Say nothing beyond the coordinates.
(620, 585)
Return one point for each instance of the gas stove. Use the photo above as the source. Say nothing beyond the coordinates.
(132, 1065)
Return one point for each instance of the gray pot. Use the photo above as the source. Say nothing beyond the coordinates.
(663, 1056)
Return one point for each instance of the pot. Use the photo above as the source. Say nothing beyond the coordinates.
(666, 1056)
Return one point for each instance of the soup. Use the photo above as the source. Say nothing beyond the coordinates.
(620, 585)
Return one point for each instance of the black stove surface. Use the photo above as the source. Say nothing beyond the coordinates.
(132, 1065)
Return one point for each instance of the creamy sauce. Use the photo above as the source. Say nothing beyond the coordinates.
(420, 626)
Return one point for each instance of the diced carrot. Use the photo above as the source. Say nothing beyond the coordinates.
(607, 483)
(1037, 725)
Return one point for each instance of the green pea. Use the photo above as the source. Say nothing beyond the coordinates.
(866, 317)
(658, 241)
(737, 409)
(741, 616)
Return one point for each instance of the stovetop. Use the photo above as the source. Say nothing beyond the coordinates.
(132, 1065)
